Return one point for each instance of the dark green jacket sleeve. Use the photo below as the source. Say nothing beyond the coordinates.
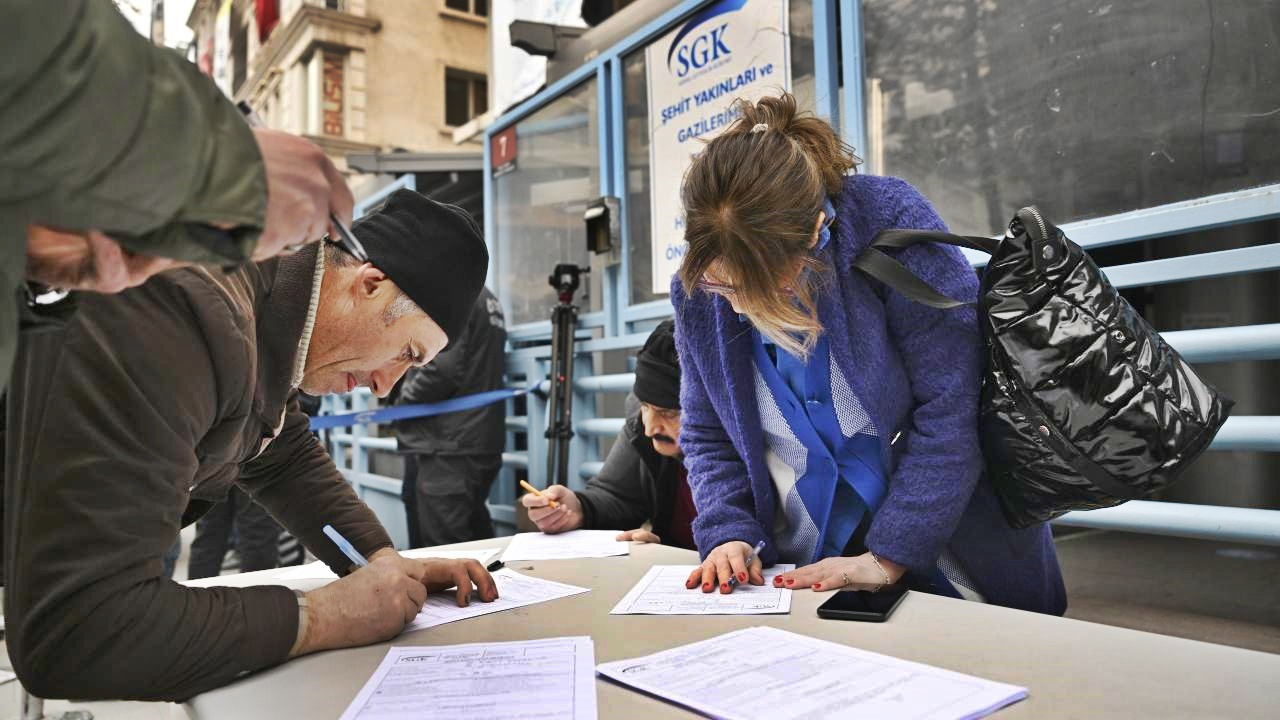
(100, 129)
(107, 427)
(621, 497)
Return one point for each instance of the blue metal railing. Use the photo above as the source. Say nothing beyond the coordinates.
(1227, 344)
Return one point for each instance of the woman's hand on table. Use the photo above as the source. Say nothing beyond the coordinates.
(734, 559)
(842, 573)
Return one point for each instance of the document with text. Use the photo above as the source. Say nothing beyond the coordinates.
(551, 679)
(727, 676)
(319, 571)
(662, 592)
(514, 590)
(572, 544)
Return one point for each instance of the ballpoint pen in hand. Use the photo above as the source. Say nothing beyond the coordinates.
(345, 546)
(346, 240)
(755, 553)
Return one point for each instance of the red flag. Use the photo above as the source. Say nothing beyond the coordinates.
(268, 14)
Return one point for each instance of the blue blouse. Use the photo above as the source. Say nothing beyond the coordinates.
(841, 477)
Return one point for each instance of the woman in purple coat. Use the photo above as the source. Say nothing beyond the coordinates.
(826, 416)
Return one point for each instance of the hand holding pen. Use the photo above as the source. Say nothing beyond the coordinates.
(382, 593)
(728, 566)
(307, 197)
(751, 559)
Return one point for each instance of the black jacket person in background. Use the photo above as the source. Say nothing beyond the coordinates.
(451, 460)
(643, 479)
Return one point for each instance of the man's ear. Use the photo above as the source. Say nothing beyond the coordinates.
(370, 281)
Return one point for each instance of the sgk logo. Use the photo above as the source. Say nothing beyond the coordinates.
(689, 54)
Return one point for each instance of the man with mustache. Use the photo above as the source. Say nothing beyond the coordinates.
(643, 479)
(131, 414)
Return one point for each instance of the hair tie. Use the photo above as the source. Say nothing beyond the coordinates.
(759, 127)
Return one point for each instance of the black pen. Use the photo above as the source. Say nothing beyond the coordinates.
(495, 566)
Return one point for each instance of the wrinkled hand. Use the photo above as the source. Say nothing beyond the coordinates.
(464, 575)
(829, 574)
(639, 535)
(371, 604)
(554, 520)
(726, 561)
(303, 187)
(87, 261)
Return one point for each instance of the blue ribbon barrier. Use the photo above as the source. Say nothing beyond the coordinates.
(405, 412)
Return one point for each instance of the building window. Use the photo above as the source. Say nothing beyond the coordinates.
(475, 7)
(325, 95)
(334, 91)
(466, 95)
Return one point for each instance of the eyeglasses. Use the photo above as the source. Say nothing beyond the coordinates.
(715, 288)
(706, 284)
(710, 286)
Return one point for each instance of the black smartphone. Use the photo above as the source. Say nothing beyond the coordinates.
(862, 604)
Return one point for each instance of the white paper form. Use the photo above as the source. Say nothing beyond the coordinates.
(573, 544)
(319, 571)
(727, 676)
(550, 679)
(514, 590)
(662, 592)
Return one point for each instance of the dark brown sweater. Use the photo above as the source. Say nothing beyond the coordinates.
(127, 418)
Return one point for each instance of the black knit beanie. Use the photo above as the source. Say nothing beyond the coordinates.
(658, 369)
(432, 251)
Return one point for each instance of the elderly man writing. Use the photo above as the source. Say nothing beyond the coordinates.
(131, 414)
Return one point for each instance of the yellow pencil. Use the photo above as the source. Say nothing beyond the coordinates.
(534, 490)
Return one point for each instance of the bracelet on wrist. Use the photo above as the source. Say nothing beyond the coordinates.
(885, 573)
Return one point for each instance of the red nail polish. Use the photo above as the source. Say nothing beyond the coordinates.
(706, 586)
(742, 577)
(817, 586)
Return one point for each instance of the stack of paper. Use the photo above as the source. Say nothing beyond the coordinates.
(548, 679)
(764, 673)
(573, 544)
(662, 592)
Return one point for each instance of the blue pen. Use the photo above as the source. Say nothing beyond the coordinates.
(759, 548)
(346, 547)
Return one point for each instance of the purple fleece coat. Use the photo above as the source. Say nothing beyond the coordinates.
(916, 370)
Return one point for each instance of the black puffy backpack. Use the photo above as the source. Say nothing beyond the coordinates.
(1084, 405)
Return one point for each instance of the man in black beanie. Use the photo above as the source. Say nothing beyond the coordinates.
(133, 414)
(643, 479)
